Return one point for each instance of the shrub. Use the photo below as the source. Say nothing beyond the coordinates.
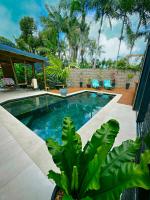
(97, 171)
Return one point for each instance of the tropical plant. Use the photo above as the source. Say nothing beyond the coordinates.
(130, 76)
(80, 7)
(124, 9)
(28, 40)
(142, 9)
(97, 171)
(56, 70)
(104, 9)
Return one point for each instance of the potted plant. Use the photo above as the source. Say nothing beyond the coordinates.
(81, 82)
(88, 83)
(100, 78)
(129, 77)
(58, 72)
(97, 171)
(113, 79)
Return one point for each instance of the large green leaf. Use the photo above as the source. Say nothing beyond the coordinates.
(95, 152)
(56, 151)
(61, 180)
(74, 182)
(55, 176)
(91, 179)
(72, 147)
(129, 175)
(126, 152)
(147, 140)
(104, 136)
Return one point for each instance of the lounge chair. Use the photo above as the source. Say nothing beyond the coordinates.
(7, 82)
(95, 83)
(107, 84)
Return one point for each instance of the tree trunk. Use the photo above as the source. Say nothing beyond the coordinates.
(58, 46)
(82, 55)
(75, 53)
(120, 40)
(98, 39)
(132, 45)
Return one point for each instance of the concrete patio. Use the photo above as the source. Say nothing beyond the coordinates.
(24, 157)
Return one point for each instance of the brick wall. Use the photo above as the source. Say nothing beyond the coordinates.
(83, 75)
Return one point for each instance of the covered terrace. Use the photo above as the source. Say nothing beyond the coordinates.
(9, 56)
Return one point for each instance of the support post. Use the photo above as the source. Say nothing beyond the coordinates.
(15, 76)
(25, 73)
(44, 74)
(33, 71)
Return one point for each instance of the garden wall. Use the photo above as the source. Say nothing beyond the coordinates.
(83, 75)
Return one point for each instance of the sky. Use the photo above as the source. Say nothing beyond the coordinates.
(11, 11)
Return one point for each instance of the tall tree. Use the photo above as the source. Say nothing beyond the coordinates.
(80, 8)
(124, 9)
(142, 9)
(105, 9)
(28, 39)
(49, 36)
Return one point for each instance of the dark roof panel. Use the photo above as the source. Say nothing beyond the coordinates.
(9, 49)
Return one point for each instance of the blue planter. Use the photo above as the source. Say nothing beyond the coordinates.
(63, 91)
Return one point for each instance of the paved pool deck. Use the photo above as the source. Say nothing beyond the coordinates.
(24, 158)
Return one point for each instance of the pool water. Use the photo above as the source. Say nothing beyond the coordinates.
(44, 114)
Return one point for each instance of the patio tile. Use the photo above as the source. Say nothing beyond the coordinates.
(31, 184)
(12, 167)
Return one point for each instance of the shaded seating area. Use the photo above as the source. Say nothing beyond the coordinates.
(9, 56)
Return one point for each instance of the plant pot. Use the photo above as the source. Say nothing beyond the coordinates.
(56, 189)
(113, 83)
(81, 84)
(101, 83)
(88, 85)
(127, 85)
(63, 91)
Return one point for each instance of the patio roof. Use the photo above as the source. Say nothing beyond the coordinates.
(17, 55)
(10, 55)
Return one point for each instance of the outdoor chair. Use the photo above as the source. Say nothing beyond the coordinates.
(107, 84)
(7, 83)
(95, 83)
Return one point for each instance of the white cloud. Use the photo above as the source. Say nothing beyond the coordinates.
(110, 45)
(7, 26)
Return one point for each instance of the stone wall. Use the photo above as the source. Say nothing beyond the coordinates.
(78, 75)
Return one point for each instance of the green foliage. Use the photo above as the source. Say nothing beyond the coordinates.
(27, 40)
(97, 171)
(56, 69)
(130, 76)
(85, 64)
(20, 72)
(1, 73)
(40, 80)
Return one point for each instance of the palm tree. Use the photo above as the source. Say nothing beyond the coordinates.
(56, 19)
(104, 9)
(79, 8)
(124, 9)
(142, 8)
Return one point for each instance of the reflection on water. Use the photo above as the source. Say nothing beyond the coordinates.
(44, 114)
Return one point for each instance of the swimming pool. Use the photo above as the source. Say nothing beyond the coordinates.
(44, 114)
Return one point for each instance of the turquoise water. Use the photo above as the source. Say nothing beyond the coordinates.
(44, 114)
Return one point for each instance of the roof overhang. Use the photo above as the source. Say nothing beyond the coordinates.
(18, 56)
